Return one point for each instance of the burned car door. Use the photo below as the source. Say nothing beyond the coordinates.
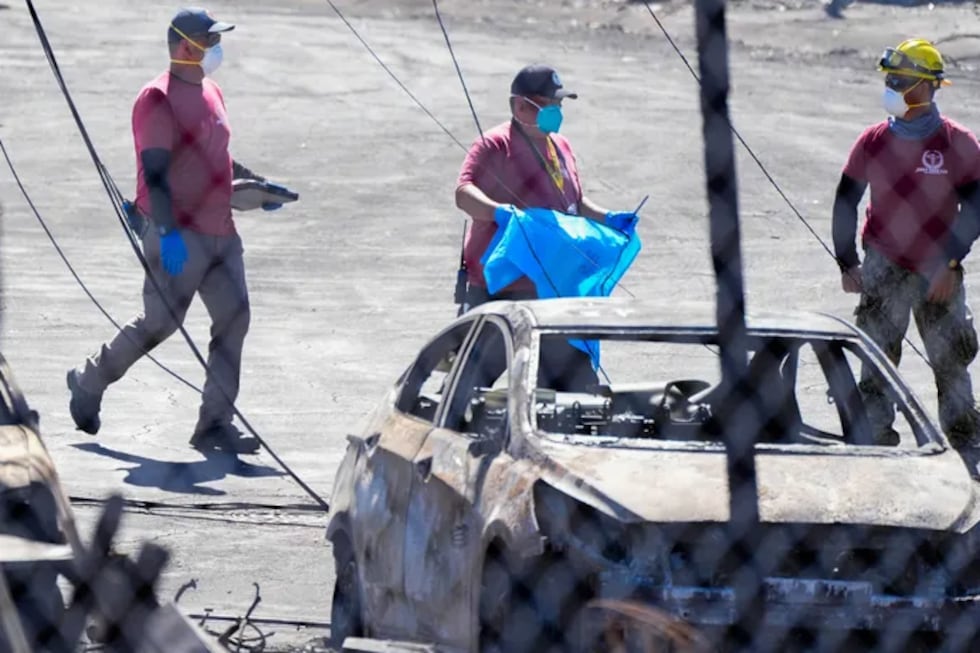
(382, 485)
(443, 540)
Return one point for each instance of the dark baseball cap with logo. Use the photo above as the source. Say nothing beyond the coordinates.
(540, 80)
(194, 20)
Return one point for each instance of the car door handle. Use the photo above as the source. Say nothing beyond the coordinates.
(424, 468)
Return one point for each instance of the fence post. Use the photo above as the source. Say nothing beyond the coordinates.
(737, 425)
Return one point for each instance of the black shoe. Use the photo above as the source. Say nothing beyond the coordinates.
(84, 406)
(961, 440)
(964, 433)
(223, 437)
(887, 438)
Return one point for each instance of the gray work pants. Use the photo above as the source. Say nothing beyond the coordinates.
(214, 270)
(890, 294)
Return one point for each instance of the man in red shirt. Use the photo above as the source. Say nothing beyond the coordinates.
(922, 219)
(184, 183)
(521, 163)
(525, 163)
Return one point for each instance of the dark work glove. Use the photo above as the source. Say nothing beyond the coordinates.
(272, 206)
(173, 252)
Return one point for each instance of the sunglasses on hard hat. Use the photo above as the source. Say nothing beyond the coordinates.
(901, 82)
(893, 59)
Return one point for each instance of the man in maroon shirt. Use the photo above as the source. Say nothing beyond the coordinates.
(518, 164)
(525, 163)
(923, 216)
(184, 183)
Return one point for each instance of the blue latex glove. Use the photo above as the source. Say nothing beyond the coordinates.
(624, 221)
(173, 252)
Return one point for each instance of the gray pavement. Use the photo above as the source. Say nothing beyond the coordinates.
(350, 281)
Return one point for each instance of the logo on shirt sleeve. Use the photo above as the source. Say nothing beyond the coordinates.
(932, 163)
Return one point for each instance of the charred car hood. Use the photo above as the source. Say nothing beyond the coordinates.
(908, 488)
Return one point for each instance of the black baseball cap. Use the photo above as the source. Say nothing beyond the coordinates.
(194, 20)
(540, 80)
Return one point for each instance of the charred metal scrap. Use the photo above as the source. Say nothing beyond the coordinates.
(39, 543)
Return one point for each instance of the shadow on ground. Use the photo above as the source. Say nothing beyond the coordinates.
(182, 477)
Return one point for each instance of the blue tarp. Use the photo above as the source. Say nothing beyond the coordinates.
(564, 255)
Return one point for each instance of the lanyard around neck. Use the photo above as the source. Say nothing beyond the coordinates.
(554, 172)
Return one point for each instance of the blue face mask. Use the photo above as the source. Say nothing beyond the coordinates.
(549, 117)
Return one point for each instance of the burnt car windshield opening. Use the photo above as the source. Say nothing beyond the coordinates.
(800, 389)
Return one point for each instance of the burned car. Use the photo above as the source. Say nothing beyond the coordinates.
(35, 548)
(112, 596)
(481, 509)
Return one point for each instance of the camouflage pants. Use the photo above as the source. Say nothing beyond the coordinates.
(890, 293)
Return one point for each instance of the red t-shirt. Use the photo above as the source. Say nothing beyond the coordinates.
(190, 121)
(503, 165)
(913, 189)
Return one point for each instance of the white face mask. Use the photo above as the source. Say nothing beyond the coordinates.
(894, 103)
(212, 59)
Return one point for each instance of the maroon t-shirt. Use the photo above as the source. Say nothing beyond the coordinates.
(913, 189)
(190, 121)
(503, 165)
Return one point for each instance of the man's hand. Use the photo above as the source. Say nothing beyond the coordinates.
(850, 279)
(624, 221)
(942, 286)
(173, 252)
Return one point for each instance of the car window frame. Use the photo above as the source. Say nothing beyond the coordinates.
(442, 415)
(898, 389)
(926, 434)
(407, 376)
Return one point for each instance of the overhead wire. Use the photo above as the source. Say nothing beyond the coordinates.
(525, 237)
(440, 124)
(71, 268)
(115, 195)
(778, 188)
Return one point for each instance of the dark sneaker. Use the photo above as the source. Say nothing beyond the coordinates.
(887, 438)
(84, 406)
(963, 432)
(223, 437)
(961, 440)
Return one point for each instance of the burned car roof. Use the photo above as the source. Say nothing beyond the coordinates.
(625, 312)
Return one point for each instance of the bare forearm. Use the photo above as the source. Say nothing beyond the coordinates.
(592, 210)
(475, 203)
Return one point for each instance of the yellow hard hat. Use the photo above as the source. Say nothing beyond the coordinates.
(914, 58)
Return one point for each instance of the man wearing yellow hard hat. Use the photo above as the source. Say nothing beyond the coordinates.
(922, 218)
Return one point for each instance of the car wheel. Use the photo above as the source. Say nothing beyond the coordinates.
(35, 594)
(34, 585)
(528, 610)
(345, 614)
(494, 603)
